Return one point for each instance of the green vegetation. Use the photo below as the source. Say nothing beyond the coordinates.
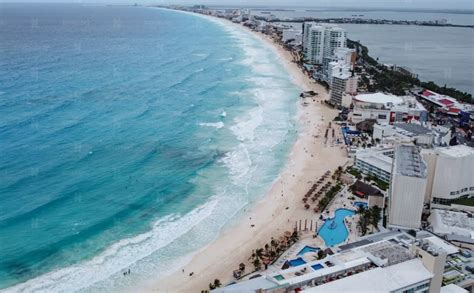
(396, 82)
(465, 201)
(378, 182)
(216, 284)
(354, 172)
(368, 217)
(329, 196)
(271, 251)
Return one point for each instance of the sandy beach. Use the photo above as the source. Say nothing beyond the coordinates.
(278, 210)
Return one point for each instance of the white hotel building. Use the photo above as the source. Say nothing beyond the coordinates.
(376, 162)
(450, 174)
(321, 40)
(407, 188)
(386, 108)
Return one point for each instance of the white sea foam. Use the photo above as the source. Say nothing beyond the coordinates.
(217, 125)
(118, 257)
(200, 54)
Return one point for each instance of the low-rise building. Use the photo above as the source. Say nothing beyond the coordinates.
(445, 103)
(423, 135)
(388, 262)
(454, 226)
(376, 162)
(387, 108)
(291, 34)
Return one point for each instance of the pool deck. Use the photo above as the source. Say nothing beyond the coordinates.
(343, 202)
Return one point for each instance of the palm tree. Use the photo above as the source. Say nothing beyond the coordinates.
(375, 216)
(257, 264)
(267, 249)
(294, 237)
(363, 220)
(242, 267)
(360, 210)
(274, 244)
(321, 254)
(217, 283)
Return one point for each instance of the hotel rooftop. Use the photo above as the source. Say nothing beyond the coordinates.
(457, 151)
(382, 262)
(409, 161)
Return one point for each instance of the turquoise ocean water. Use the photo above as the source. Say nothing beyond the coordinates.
(129, 137)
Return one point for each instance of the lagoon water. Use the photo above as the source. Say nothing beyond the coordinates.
(440, 54)
(129, 137)
(444, 55)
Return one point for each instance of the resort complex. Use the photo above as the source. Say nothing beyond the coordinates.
(172, 148)
(396, 214)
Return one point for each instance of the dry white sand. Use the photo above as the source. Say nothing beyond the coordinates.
(278, 210)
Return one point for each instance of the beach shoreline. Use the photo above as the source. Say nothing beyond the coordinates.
(277, 211)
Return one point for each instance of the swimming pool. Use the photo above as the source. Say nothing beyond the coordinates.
(307, 249)
(279, 277)
(296, 262)
(360, 204)
(334, 230)
(317, 266)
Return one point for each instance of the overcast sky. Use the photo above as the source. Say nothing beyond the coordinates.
(430, 4)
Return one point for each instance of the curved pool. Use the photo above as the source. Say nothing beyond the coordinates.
(307, 249)
(334, 230)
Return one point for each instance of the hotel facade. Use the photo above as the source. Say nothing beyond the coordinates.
(321, 40)
(407, 188)
(450, 174)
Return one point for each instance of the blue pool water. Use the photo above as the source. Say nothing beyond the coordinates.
(360, 204)
(307, 249)
(317, 266)
(296, 262)
(334, 230)
(129, 136)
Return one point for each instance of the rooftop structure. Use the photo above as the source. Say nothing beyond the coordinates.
(387, 108)
(376, 162)
(446, 103)
(379, 100)
(409, 274)
(384, 262)
(409, 162)
(444, 222)
(451, 288)
(425, 135)
(458, 151)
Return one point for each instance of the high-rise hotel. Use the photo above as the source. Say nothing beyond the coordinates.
(321, 40)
